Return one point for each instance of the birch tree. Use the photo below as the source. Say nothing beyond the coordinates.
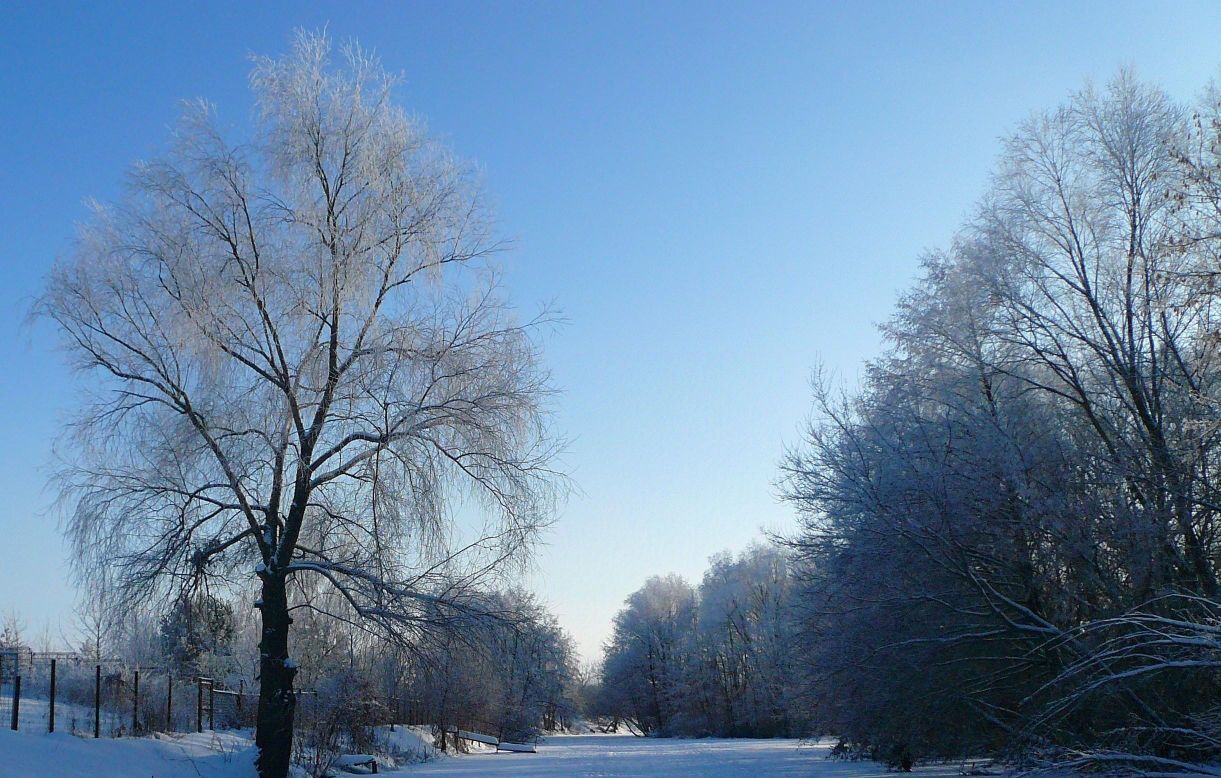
(300, 365)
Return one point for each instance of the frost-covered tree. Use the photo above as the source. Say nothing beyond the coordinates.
(745, 654)
(719, 659)
(511, 675)
(98, 620)
(532, 664)
(1030, 469)
(300, 364)
(645, 664)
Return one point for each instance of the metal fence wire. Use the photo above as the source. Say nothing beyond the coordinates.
(67, 693)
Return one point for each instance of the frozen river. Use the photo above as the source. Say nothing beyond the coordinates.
(231, 755)
(624, 756)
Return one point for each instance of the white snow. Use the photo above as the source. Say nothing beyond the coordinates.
(478, 737)
(354, 762)
(406, 739)
(231, 755)
(207, 755)
(406, 744)
(626, 756)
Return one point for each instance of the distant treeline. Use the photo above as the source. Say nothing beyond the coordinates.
(718, 659)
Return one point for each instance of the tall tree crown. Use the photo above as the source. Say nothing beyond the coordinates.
(302, 359)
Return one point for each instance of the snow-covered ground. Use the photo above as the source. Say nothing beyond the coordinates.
(624, 756)
(35, 714)
(207, 755)
(231, 754)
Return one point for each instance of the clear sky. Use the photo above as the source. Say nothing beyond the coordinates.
(718, 196)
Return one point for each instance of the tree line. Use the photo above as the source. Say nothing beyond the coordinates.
(714, 659)
(1010, 531)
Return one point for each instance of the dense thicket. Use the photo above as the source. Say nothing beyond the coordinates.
(712, 660)
(513, 677)
(1010, 532)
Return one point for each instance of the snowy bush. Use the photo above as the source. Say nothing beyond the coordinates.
(339, 717)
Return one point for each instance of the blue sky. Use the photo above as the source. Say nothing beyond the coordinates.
(717, 195)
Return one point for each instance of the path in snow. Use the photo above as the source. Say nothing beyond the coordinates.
(624, 756)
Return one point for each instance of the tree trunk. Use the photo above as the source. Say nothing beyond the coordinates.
(277, 701)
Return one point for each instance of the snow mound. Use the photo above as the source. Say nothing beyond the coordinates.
(407, 743)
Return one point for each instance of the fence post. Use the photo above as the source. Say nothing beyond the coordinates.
(169, 703)
(241, 692)
(97, 702)
(212, 705)
(51, 720)
(16, 700)
(199, 707)
(135, 703)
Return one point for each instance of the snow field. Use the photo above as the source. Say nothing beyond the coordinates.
(626, 756)
(60, 755)
(231, 755)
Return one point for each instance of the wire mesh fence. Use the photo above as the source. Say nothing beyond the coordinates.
(67, 693)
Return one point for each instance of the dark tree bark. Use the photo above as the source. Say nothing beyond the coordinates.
(277, 700)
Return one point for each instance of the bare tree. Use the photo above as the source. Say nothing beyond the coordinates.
(992, 526)
(99, 622)
(12, 628)
(304, 370)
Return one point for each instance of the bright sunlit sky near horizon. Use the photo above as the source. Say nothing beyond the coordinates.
(717, 195)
